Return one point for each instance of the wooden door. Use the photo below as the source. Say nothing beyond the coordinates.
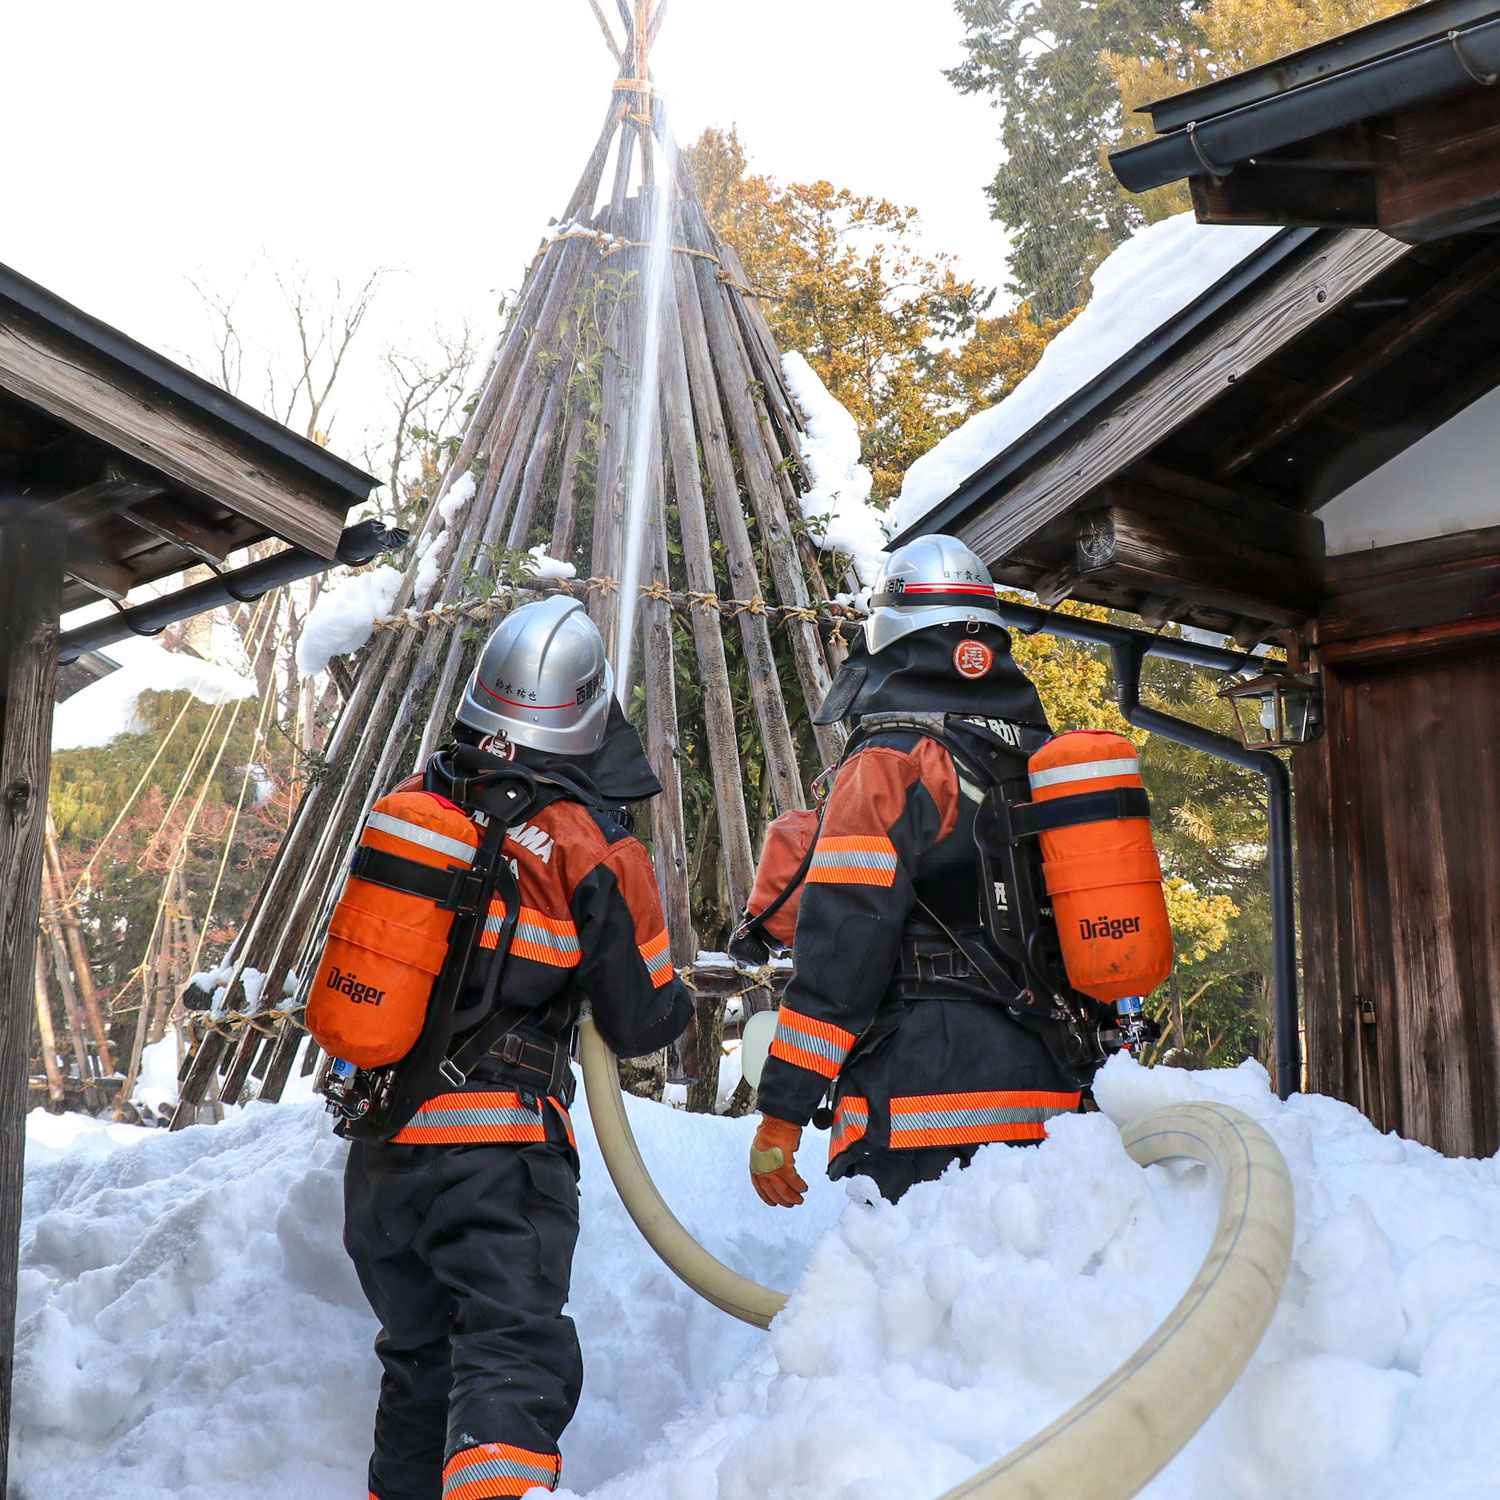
(1403, 847)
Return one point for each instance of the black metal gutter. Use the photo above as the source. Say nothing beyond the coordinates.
(1085, 403)
(1128, 655)
(359, 544)
(1396, 33)
(1463, 59)
(189, 389)
(1129, 649)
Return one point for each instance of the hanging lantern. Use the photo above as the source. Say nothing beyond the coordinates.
(1277, 711)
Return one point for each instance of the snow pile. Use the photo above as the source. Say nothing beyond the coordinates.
(837, 508)
(344, 616)
(430, 548)
(1152, 277)
(190, 1328)
(96, 714)
(545, 566)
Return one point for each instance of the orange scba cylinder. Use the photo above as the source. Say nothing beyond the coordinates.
(1104, 877)
(386, 947)
(788, 838)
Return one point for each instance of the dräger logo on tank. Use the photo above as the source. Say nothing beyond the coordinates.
(1108, 927)
(347, 984)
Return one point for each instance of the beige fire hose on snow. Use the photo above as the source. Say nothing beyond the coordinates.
(1127, 1428)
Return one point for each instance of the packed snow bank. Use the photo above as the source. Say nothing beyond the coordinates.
(191, 1329)
(96, 714)
(344, 617)
(1152, 277)
(837, 508)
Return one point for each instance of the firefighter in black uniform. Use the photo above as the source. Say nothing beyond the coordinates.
(886, 1010)
(462, 1227)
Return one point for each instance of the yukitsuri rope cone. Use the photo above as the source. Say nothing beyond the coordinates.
(549, 446)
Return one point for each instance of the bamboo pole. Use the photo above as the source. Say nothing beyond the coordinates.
(708, 639)
(46, 1034)
(777, 541)
(567, 481)
(663, 742)
(536, 462)
(755, 635)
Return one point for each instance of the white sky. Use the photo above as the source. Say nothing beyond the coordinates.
(166, 139)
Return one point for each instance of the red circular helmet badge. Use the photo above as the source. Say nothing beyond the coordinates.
(972, 659)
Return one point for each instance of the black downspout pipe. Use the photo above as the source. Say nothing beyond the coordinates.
(358, 544)
(1128, 655)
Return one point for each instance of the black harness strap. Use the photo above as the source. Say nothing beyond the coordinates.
(1021, 820)
(455, 888)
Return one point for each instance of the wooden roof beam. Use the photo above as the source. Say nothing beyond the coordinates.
(44, 367)
(1476, 276)
(173, 523)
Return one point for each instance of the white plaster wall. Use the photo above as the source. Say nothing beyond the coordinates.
(1449, 481)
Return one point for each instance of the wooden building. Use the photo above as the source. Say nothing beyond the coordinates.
(1309, 453)
(117, 468)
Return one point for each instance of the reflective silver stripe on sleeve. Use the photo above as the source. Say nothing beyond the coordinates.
(819, 1046)
(414, 833)
(1088, 770)
(853, 859)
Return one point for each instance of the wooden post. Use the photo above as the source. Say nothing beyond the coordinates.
(31, 563)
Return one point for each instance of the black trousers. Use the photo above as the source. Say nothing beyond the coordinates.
(465, 1254)
(894, 1172)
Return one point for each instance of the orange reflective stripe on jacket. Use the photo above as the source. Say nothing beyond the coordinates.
(493, 1470)
(851, 1119)
(977, 1118)
(478, 1117)
(817, 1045)
(657, 956)
(542, 939)
(857, 859)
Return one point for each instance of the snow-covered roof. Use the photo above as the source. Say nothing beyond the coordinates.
(1155, 275)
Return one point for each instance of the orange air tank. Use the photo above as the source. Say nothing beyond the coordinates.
(1104, 877)
(386, 947)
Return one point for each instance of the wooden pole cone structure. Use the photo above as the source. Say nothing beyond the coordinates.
(550, 453)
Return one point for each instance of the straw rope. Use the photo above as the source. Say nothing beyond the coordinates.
(613, 243)
(816, 611)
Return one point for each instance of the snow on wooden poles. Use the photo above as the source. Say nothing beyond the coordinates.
(723, 469)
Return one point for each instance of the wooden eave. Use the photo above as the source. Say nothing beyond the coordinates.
(151, 468)
(1419, 174)
(1191, 494)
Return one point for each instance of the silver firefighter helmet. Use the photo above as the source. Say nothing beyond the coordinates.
(542, 680)
(934, 580)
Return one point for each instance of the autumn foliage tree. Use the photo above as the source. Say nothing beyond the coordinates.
(897, 335)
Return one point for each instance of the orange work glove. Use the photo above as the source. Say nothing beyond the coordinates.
(773, 1169)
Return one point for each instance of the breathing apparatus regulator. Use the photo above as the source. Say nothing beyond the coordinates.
(429, 887)
(1072, 912)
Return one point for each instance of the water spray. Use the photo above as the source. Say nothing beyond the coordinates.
(646, 420)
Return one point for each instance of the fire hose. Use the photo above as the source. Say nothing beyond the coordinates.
(1109, 1445)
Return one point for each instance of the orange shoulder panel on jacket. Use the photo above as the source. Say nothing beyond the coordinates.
(870, 792)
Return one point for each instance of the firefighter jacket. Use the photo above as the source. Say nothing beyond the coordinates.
(590, 926)
(908, 1065)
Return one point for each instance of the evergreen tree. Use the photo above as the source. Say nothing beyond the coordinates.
(1059, 111)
